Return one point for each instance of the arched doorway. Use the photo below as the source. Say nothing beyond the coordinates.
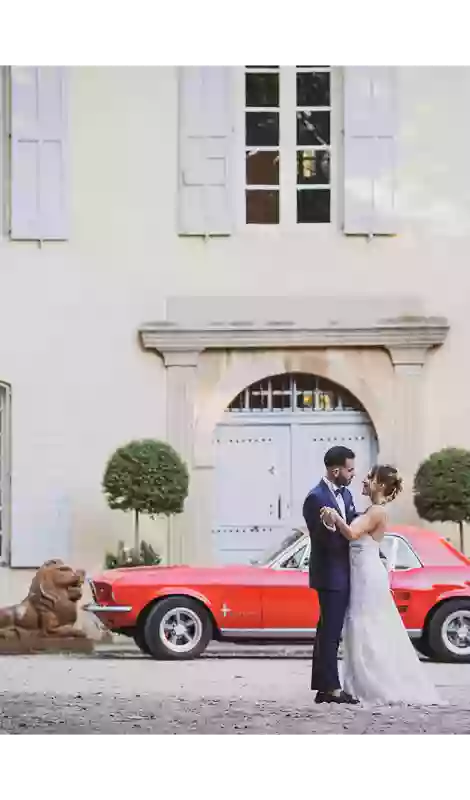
(269, 449)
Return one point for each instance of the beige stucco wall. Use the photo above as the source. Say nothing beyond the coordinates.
(69, 312)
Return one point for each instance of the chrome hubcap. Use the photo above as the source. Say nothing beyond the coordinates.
(180, 630)
(456, 633)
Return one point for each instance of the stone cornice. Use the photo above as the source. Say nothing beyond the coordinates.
(391, 334)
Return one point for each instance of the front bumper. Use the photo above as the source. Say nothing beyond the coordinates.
(95, 608)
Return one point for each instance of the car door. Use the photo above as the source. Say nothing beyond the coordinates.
(289, 606)
(405, 576)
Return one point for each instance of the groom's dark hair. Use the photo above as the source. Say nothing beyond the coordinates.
(337, 456)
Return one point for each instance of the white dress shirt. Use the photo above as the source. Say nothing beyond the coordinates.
(338, 497)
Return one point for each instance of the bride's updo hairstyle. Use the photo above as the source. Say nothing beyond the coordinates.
(389, 478)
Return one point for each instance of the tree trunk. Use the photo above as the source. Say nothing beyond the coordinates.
(461, 537)
(136, 532)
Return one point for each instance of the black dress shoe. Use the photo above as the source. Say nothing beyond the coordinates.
(348, 698)
(343, 697)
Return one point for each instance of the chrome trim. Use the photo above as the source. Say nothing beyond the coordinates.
(286, 633)
(415, 633)
(95, 608)
(266, 633)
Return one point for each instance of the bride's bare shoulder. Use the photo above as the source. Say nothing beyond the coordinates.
(378, 514)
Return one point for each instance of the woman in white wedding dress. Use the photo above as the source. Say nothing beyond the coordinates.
(381, 665)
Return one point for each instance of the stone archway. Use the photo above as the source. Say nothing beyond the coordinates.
(379, 360)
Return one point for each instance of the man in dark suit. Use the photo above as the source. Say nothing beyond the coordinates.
(329, 571)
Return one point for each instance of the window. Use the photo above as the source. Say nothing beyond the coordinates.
(296, 560)
(262, 145)
(293, 392)
(313, 143)
(4, 468)
(287, 141)
(272, 555)
(405, 558)
(398, 553)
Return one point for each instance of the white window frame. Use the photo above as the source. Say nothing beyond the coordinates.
(5, 474)
(288, 149)
(4, 151)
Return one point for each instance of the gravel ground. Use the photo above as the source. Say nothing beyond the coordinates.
(259, 691)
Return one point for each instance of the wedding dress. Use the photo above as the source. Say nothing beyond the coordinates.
(381, 665)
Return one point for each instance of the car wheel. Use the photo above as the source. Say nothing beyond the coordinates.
(449, 631)
(139, 639)
(178, 629)
(422, 646)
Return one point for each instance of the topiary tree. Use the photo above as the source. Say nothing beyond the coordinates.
(130, 557)
(147, 477)
(442, 488)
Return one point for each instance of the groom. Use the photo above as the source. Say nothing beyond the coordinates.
(329, 570)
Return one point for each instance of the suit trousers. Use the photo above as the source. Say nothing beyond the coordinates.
(333, 606)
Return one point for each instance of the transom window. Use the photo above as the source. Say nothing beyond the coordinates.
(294, 392)
(287, 143)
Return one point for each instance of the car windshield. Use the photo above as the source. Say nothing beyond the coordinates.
(272, 554)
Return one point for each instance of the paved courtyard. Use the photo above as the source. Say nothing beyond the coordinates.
(259, 691)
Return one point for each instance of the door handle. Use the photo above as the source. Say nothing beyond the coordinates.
(279, 507)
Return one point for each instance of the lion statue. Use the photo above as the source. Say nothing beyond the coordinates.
(50, 609)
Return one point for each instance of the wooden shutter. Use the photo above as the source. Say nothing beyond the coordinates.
(369, 150)
(205, 142)
(38, 153)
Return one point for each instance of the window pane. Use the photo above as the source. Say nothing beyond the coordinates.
(262, 167)
(262, 128)
(405, 559)
(313, 205)
(313, 166)
(313, 88)
(262, 89)
(313, 127)
(295, 560)
(260, 66)
(262, 207)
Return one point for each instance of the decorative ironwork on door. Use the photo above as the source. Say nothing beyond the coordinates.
(294, 392)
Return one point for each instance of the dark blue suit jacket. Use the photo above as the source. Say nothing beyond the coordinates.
(329, 552)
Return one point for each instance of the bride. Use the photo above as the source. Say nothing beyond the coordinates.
(381, 665)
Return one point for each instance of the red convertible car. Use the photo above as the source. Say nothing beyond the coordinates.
(174, 612)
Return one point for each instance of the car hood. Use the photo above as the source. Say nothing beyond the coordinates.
(176, 574)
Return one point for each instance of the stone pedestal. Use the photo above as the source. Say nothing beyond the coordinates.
(41, 644)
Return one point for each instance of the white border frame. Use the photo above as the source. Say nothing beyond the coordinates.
(5, 478)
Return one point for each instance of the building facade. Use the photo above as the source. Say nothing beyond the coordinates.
(252, 263)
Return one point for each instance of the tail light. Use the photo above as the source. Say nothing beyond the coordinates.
(102, 592)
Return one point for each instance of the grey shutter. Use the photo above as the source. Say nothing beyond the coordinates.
(370, 150)
(38, 153)
(205, 143)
